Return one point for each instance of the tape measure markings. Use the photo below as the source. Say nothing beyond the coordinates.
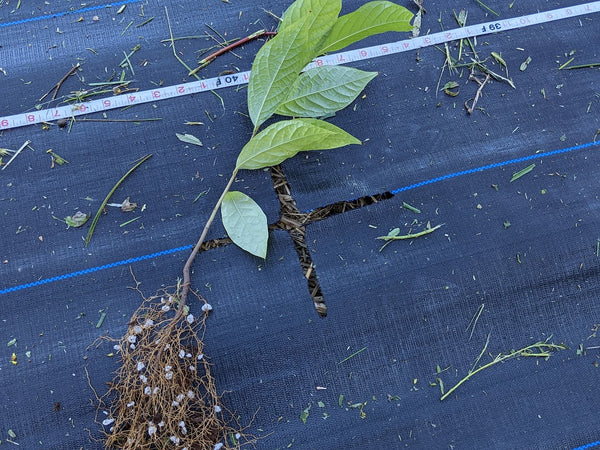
(194, 87)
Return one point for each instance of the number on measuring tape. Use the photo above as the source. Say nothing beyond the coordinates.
(492, 27)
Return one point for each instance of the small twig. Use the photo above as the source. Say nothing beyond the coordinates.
(479, 65)
(584, 66)
(181, 61)
(487, 8)
(393, 236)
(477, 94)
(352, 355)
(172, 40)
(211, 28)
(221, 44)
(474, 320)
(57, 86)
(210, 58)
(481, 353)
(105, 201)
(16, 154)
(277, 18)
(540, 349)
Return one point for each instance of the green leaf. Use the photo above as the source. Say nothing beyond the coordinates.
(77, 220)
(278, 62)
(304, 414)
(321, 91)
(371, 18)
(189, 139)
(245, 223)
(284, 139)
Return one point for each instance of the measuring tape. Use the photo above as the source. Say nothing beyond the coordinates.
(194, 87)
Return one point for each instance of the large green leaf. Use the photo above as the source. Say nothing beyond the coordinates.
(324, 90)
(284, 139)
(371, 18)
(278, 62)
(245, 223)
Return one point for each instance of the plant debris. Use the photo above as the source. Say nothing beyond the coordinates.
(189, 139)
(395, 234)
(541, 349)
(105, 201)
(77, 220)
(522, 172)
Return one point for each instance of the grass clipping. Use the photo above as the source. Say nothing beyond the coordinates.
(163, 394)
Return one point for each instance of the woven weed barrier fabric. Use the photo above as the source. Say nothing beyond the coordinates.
(490, 175)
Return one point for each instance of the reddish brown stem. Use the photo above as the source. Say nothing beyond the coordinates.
(205, 61)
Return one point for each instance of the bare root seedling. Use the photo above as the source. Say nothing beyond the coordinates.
(163, 394)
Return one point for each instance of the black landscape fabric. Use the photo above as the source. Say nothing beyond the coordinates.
(499, 208)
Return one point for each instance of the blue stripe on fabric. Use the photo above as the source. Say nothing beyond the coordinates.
(395, 191)
(94, 269)
(590, 445)
(64, 13)
(493, 166)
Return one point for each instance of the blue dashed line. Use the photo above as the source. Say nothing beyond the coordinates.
(493, 166)
(94, 269)
(64, 13)
(395, 191)
(590, 445)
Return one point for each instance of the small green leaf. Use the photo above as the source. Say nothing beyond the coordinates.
(245, 223)
(322, 91)
(189, 139)
(278, 62)
(284, 139)
(451, 88)
(304, 414)
(499, 59)
(77, 220)
(394, 232)
(522, 172)
(371, 18)
(524, 64)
